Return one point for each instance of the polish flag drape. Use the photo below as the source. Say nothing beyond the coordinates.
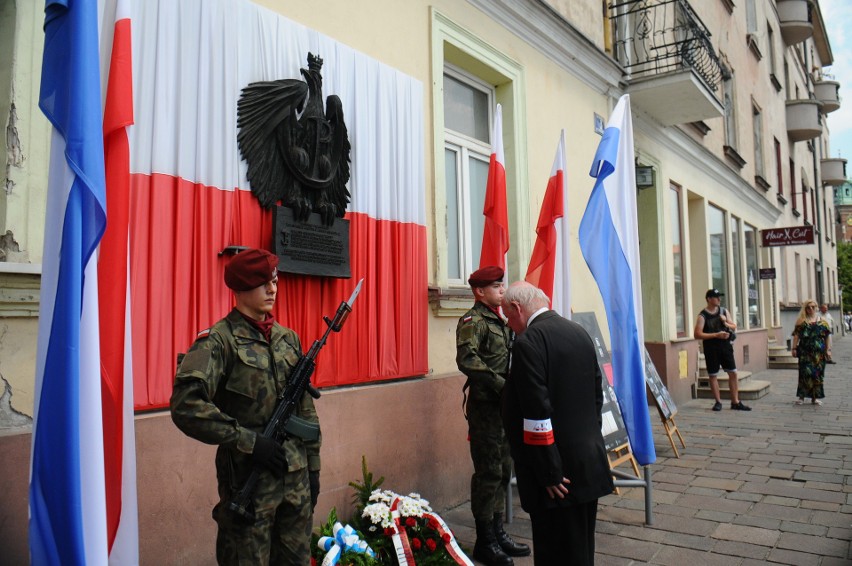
(549, 266)
(609, 238)
(495, 235)
(82, 494)
(114, 299)
(190, 198)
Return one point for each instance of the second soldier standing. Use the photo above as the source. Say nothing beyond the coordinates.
(482, 354)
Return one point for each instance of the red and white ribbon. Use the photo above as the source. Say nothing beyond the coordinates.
(400, 537)
(451, 545)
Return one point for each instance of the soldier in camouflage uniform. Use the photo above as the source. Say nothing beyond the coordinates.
(225, 392)
(482, 354)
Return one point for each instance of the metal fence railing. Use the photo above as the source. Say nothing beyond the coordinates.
(653, 37)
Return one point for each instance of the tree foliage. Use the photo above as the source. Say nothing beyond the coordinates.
(844, 273)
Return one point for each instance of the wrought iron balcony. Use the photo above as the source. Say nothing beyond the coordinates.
(672, 69)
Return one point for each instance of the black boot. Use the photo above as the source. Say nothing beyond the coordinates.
(506, 543)
(486, 549)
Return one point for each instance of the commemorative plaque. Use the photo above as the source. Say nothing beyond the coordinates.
(310, 247)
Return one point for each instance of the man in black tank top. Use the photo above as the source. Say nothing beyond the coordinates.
(716, 327)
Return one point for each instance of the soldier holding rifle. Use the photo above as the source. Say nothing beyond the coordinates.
(226, 390)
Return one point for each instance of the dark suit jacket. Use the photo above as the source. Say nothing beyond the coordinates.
(555, 375)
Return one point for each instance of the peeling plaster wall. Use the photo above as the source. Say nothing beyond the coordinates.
(25, 134)
(17, 368)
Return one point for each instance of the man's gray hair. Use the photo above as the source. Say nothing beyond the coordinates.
(528, 296)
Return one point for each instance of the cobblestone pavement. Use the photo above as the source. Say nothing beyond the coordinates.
(770, 486)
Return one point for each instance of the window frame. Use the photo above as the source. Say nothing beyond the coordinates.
(679, 259)
(455, 45)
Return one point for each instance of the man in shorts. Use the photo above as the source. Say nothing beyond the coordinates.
(715, 326)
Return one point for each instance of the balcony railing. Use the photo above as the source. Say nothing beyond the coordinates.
(653, 37)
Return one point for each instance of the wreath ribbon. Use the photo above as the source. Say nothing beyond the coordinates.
(451, 545)
(401, 544)
(344, 539)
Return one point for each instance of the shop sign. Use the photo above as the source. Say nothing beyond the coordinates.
(792, 236)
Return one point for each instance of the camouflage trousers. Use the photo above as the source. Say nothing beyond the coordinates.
(492, 462)
(281, 532)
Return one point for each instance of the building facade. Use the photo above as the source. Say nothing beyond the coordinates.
(843, 216)
(730, 103)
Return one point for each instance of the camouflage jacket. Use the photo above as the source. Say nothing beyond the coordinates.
(226, 388)
(482, 352)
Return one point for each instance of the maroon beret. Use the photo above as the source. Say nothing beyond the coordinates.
(485, 276)
(250, 268)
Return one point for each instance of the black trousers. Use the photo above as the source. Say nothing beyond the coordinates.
(565, 536)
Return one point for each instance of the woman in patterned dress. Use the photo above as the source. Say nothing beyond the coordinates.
(812, 345)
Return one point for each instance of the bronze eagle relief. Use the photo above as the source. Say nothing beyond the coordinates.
(296, 153)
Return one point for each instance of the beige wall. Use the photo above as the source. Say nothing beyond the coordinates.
(413, 434)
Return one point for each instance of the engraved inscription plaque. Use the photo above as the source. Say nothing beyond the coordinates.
(310, 248)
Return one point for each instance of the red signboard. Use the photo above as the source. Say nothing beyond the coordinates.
(793, 236)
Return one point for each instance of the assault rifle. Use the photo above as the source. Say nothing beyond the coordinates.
(289, 399)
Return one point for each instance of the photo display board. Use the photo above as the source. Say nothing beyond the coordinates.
(661, 395)
(612, 428)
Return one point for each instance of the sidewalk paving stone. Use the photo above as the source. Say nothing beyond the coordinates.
(770, 486)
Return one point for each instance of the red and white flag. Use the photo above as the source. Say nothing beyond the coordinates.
(495, 235)
(550, 263)
(190, 197)
(114, 301)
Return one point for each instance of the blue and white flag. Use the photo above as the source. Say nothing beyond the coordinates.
(609, 238)
(66, 496)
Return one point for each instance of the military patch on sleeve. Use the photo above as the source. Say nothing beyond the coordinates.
(203, 334)
(468, 318)
(195, 360)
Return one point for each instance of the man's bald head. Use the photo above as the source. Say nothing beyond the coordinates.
(520, 302)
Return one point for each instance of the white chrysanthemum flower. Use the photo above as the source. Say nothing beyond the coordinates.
(409, 507)
(378, 513)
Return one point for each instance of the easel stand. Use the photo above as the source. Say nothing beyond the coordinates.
(621, 454)
(671, 428)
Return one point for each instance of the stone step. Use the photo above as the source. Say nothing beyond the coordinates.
(753, 389)
(742, 378)
(792, 363)
(777, 350)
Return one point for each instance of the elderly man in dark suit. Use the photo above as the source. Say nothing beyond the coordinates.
(552, 414)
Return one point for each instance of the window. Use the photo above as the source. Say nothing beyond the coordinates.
(808, 275)
(735, 301)
(757, 124)
(786, 79)
(718, 249)
(751, 17)
(770, 42)
(752, 276)
(467, 149)
(779, 173)
(730, 111)
(677, 259)
(469, 78)
(798, 275)
(804, 200)
(793, 184)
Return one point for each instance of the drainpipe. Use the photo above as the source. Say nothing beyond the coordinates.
(818, 206)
